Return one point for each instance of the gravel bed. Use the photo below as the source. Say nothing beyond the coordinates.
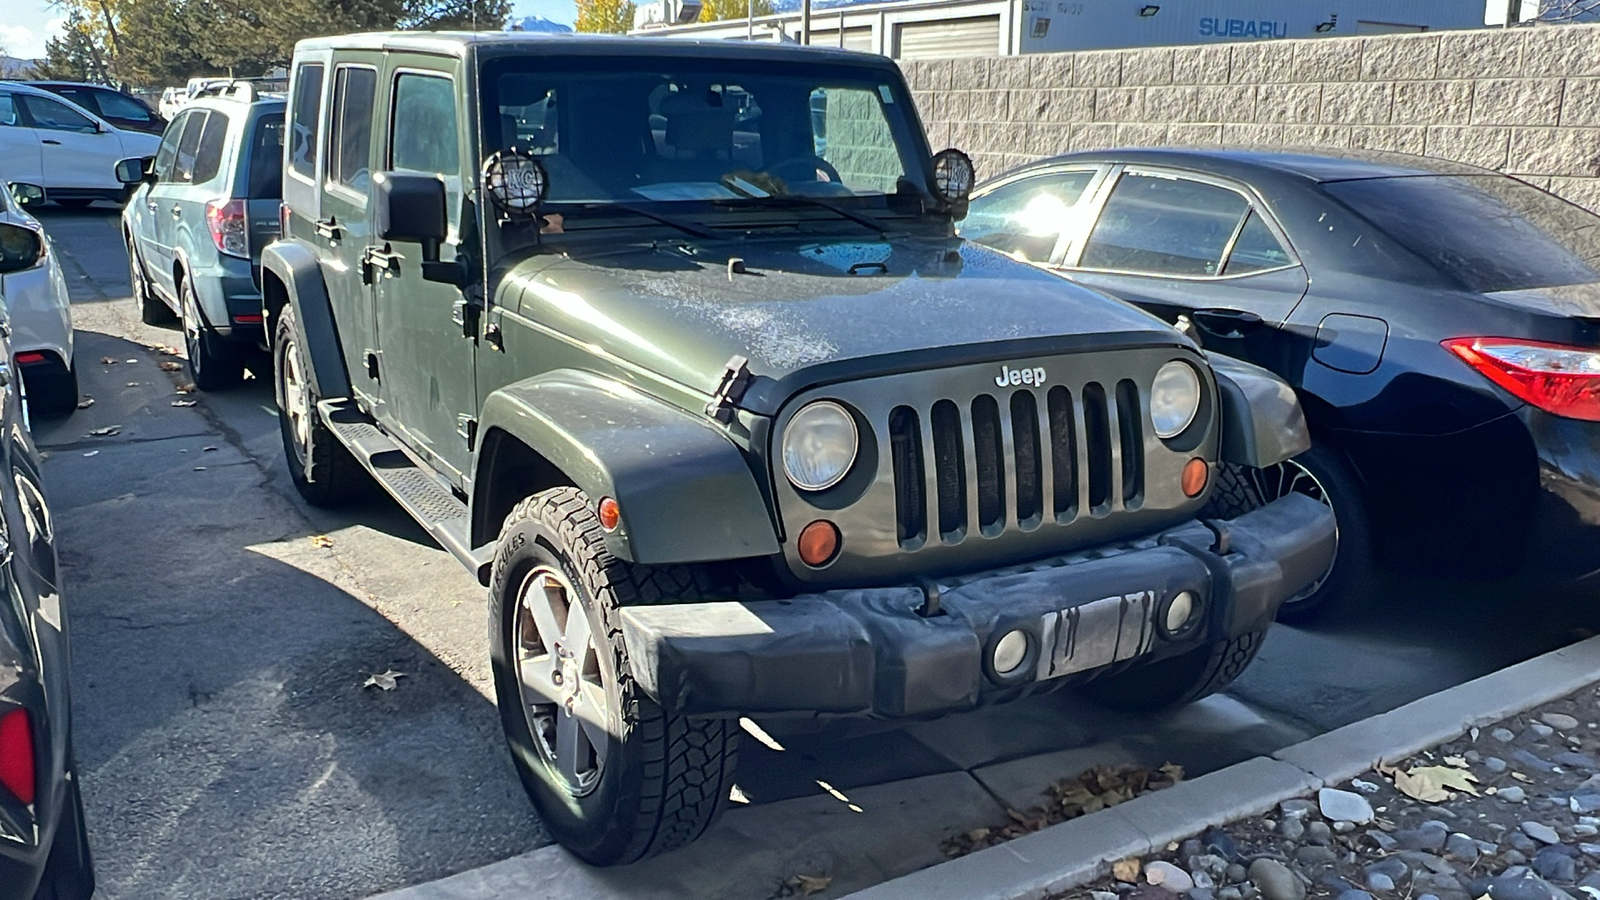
(1529, 832)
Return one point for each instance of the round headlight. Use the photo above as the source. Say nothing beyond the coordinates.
(1174, 398)
(819, 446)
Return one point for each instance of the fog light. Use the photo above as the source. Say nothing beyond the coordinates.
(1010, 651)
(1195, 475)
(1179, 612)
(819, 541)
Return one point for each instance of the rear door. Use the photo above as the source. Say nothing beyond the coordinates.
(261, 182)
(346, 219)
(1179, 243)
(77, 153)
(19, 144)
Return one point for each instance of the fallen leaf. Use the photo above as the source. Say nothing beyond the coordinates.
(1429, 783)
(170, 366)
(167, 351)
(207, 449)
(322, 541)
(811, 884)
(85, 403)
(186, 388)
(184, 402)
(107, 361)
(1459, 762)
(92, 453)
(384, 680)
(1173, 771)
(133, 384)
(1521, 777)
(1126, 870)
(106, 431)
(133, 360)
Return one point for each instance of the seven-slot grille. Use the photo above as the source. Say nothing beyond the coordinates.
(1019, 458)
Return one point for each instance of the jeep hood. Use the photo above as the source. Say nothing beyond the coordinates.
(806, 312)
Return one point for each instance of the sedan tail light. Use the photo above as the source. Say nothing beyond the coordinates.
(16, 754)
(230, 226)
(1558, 379)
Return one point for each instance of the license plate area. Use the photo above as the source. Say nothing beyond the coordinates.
(1097, 633)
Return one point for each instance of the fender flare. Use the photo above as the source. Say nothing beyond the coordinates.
(685, 492)
(300, 272)
(1262, 421)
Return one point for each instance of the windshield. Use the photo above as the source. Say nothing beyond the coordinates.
(1485, 232)
(651, 132)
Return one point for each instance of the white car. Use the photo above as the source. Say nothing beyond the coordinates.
(62, 147)
(35, 296)
(172, 100)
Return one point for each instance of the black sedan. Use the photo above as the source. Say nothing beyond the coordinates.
(120, 109)
(44, 849)
(1440, 323)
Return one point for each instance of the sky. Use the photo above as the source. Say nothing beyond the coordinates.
(30, 23)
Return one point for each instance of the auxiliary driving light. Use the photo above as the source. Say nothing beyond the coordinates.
(1179, 612)
(1010, 652)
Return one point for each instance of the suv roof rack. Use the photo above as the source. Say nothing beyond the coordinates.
(245, 90)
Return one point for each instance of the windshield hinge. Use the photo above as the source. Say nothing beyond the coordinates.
(467, 427)
(735, 381)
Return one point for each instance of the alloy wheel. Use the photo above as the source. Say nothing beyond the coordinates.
(296, 400)
(563, 687)
(1291, 477)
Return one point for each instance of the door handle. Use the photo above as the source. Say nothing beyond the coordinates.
(329, 228)
(151, 206)
(52, 143)
(177, 211)
(1226, 323)
(376, 259)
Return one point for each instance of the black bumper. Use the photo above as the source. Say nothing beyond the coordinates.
(869, 652)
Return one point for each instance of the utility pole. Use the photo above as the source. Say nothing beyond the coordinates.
(805, 22)
(750, 20)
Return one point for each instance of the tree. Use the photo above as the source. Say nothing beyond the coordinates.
(75, 55)
(605, 16)
(716, 10)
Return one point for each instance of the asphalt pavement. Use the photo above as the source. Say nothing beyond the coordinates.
(223, 631)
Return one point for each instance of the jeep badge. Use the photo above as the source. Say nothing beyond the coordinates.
(1009, 377)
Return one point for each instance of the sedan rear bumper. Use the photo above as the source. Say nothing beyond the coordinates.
(877, 652)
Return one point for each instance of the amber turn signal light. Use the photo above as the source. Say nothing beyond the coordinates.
(1195, 475)
(819, 541)
(610, 514)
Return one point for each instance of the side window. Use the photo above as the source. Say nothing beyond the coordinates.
(1164, 226)
(111, 103)
(8, 110)
(188, 145)
(304, 119)
(423, 136)
(1026, 218)
(351, 142)
(208, 156)
(53, 115)
(167, 153)
(1257, 248)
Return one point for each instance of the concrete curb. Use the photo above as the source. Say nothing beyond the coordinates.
(1079, 851)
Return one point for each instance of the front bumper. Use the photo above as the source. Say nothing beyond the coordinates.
(869, 652)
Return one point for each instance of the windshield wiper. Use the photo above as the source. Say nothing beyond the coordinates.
(688, 228)
(808, 200)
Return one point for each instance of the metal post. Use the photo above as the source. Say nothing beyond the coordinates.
(750, 20)
(805, 21)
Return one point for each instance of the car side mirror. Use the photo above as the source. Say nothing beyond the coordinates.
(27, 194)
(411, 208)
(135, 169)
(20, 248)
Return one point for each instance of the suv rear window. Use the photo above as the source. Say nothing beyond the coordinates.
(266, 158)
(1485, 232)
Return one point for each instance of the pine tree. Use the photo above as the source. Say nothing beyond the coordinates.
(75, 55)
(605, 16)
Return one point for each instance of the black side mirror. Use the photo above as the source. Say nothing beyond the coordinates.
(411, 208)
(136, 169)
(27, 194)
(20, 248)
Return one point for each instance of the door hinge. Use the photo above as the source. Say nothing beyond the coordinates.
(372, 365)
(467, 427)
(730, 390)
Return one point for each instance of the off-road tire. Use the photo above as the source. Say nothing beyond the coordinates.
(152, 309)
(1354, 576)
(1176, 680)
(51, 390)
(69, 870)
(323, 470)
(214, 364)
(667, 777)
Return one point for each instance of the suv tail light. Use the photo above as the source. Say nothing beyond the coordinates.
(1556, 378)
(16, 754)
(230, 227)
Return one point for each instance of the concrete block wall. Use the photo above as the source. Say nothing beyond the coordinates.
(1525, 101)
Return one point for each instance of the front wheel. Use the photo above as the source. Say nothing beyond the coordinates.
(323, 471)
(1324, 477)
(615, 777)
(1176, 680)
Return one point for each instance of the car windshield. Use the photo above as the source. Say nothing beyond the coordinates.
(1486, 232)
(676, 135)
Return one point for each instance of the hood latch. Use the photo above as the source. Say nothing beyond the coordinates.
(736, 379)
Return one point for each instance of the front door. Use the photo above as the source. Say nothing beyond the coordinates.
(77, 153)
(19, 144)
(426, 362)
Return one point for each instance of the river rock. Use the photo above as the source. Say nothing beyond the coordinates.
(1236, 874)
(1524, 886)
(1319, 833)
(1313, 855)
(1383, 840)
(1541, 832)
(1513, 858)
(1461, 848)
(1380, 882)
(1330, 881)
(1430, 835)
(1512, 794)
(1209, 863)
(1203, 880)
(1553, 865)
(1533, 761)
(1292, 828)
(1583, 804)
(1344, 806)
(1590, 850)
(1168, 876)
(1494, 764)
(1572, 759)
(1220, 842)
(1200, 893)
(1354, 894)
(1538, 731)
(1276, 882)
(1503, 735)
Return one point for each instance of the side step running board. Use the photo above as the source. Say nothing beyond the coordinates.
(429, 502)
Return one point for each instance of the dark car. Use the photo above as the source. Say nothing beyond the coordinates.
(44, 848)
(200, 212)
(1440, 323)
(120, 109)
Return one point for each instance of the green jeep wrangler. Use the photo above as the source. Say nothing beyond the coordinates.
(673, 345)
